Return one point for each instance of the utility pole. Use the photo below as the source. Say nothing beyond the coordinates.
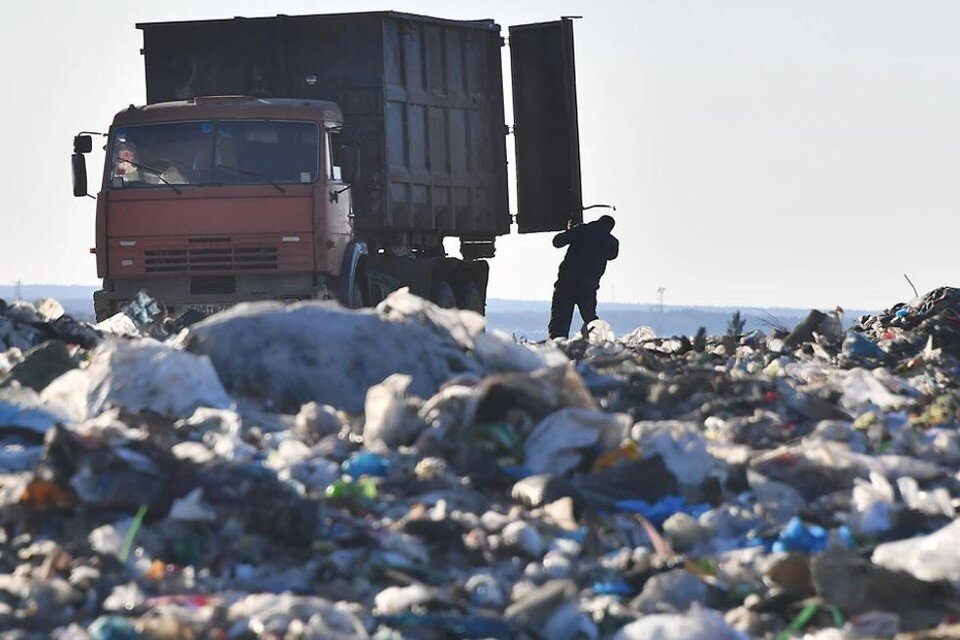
(660, 292)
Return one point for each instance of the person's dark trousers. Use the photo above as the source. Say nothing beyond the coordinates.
(566, 294)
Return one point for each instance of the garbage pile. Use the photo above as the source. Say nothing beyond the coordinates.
(303, 471)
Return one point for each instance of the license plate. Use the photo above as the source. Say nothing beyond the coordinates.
(206, 309)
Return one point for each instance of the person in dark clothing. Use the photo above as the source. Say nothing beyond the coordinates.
(591, 246)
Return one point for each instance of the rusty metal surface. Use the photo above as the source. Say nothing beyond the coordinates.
(199, 219)
(240, 107)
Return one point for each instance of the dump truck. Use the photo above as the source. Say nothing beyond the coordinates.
(330, 156)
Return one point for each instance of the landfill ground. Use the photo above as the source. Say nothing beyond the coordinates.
(309, 472)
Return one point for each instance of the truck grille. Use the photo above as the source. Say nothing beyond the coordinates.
(218, 259)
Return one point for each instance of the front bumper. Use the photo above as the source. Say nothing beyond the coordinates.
(209, 293)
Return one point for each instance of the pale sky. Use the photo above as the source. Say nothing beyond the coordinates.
(759, 152)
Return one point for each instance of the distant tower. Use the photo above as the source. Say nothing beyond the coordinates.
(19, 289)
(660, 292)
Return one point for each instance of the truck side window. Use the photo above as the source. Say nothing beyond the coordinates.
(334, 155)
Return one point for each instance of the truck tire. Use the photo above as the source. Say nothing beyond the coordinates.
(356, 295)
(442, 295)
(470, 298)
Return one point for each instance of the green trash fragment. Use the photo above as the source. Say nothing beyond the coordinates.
(837, 616)
(498, 439)
(352, 490)
(134, 528)
(806, 614)
(799, 622)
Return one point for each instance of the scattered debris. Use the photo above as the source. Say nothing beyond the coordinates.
(306, 471)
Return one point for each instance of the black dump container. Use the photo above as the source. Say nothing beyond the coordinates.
(422, 100)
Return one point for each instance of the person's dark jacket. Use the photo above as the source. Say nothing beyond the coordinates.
(591, 246)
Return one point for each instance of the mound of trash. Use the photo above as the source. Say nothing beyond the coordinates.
(305, 471)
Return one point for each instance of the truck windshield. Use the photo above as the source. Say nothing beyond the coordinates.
(234, 152)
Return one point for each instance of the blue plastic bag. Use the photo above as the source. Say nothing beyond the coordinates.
(659, 511)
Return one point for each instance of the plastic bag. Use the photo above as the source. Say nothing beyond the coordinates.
(695, 624)
(931, 557)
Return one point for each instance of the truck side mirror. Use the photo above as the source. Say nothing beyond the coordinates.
(79, 174)
(82, 144)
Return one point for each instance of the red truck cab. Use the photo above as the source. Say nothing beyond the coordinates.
(210, 201)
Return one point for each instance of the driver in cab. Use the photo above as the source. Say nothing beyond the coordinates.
(128, 168)
(125, 164)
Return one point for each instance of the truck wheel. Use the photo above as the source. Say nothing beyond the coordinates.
(470, 298)
(356, 296)
(442, 295)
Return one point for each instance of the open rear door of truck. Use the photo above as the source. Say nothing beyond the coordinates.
(545, 126)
